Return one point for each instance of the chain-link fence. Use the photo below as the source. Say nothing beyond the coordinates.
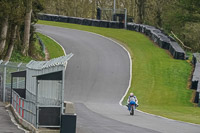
(6, 68)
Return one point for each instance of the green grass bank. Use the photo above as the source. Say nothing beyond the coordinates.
(159, 81)
(53, 48)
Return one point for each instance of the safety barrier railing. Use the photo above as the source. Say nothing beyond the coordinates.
(26, 109)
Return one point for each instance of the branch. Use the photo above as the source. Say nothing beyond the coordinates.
(180, 41)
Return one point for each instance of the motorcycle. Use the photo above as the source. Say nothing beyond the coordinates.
(132, 107)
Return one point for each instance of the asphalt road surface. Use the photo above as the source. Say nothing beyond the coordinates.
(97, 77)
(6, 125)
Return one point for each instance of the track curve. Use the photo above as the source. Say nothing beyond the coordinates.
(97, 76)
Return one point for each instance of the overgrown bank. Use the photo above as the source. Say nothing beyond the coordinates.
(160, 82)
(53, 50)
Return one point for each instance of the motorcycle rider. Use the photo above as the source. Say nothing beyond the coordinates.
(132, 97)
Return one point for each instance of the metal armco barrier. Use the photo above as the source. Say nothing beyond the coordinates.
(82, 21)
(160, 38)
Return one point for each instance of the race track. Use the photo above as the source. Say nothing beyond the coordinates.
(97, 77)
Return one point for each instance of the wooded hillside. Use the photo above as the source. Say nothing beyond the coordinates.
(182, 17)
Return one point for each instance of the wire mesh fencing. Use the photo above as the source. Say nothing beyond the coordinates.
(6, 68)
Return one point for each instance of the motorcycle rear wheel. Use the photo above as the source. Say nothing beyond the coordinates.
(132, 111)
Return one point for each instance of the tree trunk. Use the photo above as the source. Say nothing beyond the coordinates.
(27, 27)
(93, 9)
(3, 35)
(132, 9)
(75, 8)
(140, 7)
(12, 42)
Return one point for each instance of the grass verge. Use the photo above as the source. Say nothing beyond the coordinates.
(159, 81)
(54, 49)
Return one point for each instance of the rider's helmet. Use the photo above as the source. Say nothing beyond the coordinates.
(131, 94)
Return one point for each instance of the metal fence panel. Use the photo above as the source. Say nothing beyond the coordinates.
(6, 68)
(26, 109)
(49, 92)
